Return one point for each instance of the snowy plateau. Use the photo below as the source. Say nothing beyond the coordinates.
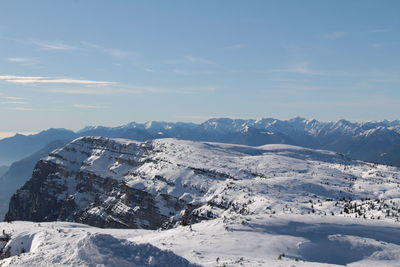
(169, 202)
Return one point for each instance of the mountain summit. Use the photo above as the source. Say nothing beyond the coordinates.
(122, 183)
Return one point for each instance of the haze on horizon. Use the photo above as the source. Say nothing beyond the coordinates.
(68, 64)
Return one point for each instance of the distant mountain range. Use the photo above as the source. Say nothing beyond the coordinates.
(19, 172)
(20, 146)
(370, 141)
(3, 170)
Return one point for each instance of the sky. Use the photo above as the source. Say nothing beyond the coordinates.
(69, 64)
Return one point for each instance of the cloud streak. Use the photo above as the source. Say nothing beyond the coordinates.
(200, 60)
(24, 60)
(50, 80)
(90, 91)
(130, 89)
(14, 103)
(192, 72)
(376, 45)
(298, 68)
(19, 108)
(114, 52)
(91, 87)
(236, 46)
(149, 70)
(335, 35)
(379, 30)
(54, 46)
(89, 106)
(12, 98)
(61, 46)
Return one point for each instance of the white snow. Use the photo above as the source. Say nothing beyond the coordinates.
(67, 244)
(275, 205)
(235, 241)
(249, 180)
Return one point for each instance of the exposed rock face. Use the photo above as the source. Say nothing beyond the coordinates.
(66, 188)
(102, 195)
(157, 184)
(20, 172)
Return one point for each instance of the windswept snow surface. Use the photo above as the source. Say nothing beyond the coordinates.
(63, 244)
(236, 241)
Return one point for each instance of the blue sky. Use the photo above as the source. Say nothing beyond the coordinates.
(75, 63)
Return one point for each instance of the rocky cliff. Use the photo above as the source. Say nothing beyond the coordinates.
(157, 184)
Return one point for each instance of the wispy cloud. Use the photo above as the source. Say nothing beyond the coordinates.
(129, 89)
(46, 45)
(149, 70)
(12, 98)
(18, 108)
(288, 80)
(341, 34)
(200, 60)
(192, 72)
(14, 103)
(196, 89)
(299, 68)
(114, 52)
(297, 88)
(24, 60)
(54, 45)
(50, 80)
(179, 90)
(118, 53)
(90, 45)
(379, 30)
(89, 106)
(335, 35)
(236, 46)
(91, 87)
(376, 45)
(91, 91)
(61, 46)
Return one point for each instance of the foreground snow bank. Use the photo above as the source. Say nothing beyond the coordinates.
(267, 240)
(57, 244)
(284, 240)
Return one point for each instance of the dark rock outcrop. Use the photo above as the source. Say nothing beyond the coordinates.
(56, 192)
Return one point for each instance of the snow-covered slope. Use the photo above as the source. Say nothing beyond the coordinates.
(251, 240)
(161, 183)
(210, 204)
(62, 244)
